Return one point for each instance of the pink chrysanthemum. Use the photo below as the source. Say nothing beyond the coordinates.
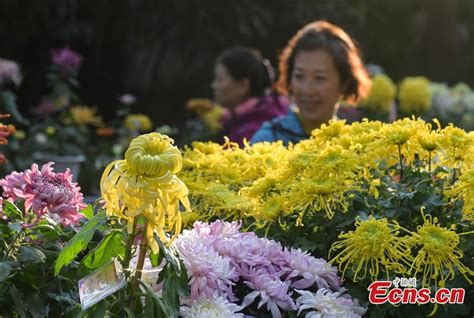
(210, 274)
(311, 270)
(218, 307)
(69, 61)
(46, 192)
(272, 291)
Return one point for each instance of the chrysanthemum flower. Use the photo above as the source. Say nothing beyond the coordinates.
(415, 95)
(464, 189)
(84, 115)
(328, 304)
(382, 94)
(9, 72)
(438, 253)
(46, 192)
(69, 61)
(145, 184)
(373, 244)
(217, 307)
(138, 122)
(272, 291)
(309, 271)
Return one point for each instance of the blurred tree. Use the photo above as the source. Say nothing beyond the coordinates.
(163, 51)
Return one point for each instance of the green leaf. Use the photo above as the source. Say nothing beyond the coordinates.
(111, 246)
(11, 210)
(31, 254)
(5, 269)
(156, 259)
(154, 306)
(79, 241)
(15, 227)
(88, 212)
(17, 300)
(8, 103)
(170, 254)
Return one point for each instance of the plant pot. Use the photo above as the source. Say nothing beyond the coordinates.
(61, 163)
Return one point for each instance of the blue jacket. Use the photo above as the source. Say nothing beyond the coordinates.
(286, 128)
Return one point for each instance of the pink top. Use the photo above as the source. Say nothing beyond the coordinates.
(247, 117)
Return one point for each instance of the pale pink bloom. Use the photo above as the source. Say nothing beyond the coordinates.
(210, 274)
(272, 291)
(127, 99)
(9, 72)
(328, 304)
(218, 307)
(309, 270)
(45, 191)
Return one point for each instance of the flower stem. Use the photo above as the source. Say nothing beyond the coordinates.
(126, 261)
(139, 268)
(401, 161)
(429, 161)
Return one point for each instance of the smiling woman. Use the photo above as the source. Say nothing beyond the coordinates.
(320, 66)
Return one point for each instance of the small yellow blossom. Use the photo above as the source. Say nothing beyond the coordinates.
(84, 115)
(138, 122)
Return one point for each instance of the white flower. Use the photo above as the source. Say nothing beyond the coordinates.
(218, 307)
(41, 138)
(328, 304)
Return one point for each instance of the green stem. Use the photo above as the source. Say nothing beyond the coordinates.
(139, 268)
(429, 161)
(126, 261)
(401, 161)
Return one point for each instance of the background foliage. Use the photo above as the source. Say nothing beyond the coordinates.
(163, 51)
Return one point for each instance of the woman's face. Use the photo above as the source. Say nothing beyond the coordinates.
(228, 91)
(315, 85)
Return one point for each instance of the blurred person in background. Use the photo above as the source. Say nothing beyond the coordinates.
(319, 67)
(242, 85)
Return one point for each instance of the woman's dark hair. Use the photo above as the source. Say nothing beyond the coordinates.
(329, 37)
(242, 62)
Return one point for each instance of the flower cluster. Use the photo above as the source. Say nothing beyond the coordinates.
(357, 190)
(45, 192)
(67, 60)
(9, 73)
(222, 262)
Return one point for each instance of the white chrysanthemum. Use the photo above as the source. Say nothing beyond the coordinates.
(328, 304)
(211, 308)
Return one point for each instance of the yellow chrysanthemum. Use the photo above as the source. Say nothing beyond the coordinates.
(415, 95)
(374, 244)
(212, 118)
(145, 184)
(84, 115)
(428, 141)
(382, 94)
(438, 253)
(464, 189)
(138, 122)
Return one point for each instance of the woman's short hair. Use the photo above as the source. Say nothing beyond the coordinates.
(242, 62)
(329, 37)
